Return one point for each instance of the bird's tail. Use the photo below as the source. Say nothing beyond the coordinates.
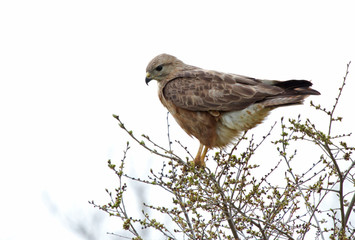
(295, 91)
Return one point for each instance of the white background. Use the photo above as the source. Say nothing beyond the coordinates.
(67, 66)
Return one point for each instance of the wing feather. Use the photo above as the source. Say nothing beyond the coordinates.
(201, 90)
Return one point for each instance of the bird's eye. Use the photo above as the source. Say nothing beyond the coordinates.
(159, 68)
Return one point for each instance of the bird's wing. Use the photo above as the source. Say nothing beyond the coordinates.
(202, 90)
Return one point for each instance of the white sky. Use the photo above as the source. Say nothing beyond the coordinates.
(67, 66)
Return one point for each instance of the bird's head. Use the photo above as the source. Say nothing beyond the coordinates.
(162, 67)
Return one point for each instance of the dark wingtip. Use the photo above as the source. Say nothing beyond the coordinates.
(291, 84)
(301, 86)
(307, 91)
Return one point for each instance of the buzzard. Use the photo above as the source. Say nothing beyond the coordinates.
(215, 107)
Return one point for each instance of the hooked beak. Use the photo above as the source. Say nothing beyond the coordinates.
(147, 78)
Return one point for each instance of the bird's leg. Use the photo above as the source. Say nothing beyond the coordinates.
(198, 155)
(204, 155)
(199, 159)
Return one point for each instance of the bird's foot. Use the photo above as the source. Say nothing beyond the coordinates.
(199, 162)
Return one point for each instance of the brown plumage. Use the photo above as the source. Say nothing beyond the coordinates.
(216, 107)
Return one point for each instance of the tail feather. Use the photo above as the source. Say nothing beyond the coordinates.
(284, 101)
(295, 92)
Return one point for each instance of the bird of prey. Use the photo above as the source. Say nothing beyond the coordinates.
(215, 107)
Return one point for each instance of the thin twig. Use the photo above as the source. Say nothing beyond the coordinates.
(176, 158)
(331, 119)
